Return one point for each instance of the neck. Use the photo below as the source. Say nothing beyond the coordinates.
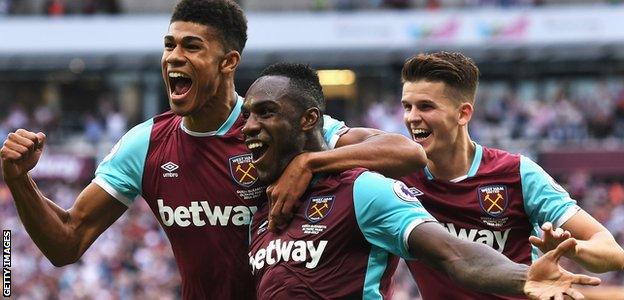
(214, 112)
(315, 142)
(454, 161)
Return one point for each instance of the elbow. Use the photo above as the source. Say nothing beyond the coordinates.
(62, 257)
(620, 266)
(414, 158)
(62, 261)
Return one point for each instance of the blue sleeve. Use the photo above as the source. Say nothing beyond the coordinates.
(387, 211)
(544, 199)
(121, 172)
(332, 130)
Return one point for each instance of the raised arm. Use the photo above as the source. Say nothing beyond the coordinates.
(62, 235)
(596, 250)
(390, 154)
(479, 267)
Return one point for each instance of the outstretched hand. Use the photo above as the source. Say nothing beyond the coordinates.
(551, 238)
(21, 152)
(284, 194)
(546, 279)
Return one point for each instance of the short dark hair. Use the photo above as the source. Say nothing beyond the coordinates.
(225, 16)
(454, 69)
(304, 87)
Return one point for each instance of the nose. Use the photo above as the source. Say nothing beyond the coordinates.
(251, 127)
(412, 116)
(175, 57)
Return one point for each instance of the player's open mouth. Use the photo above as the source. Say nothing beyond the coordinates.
(179, 83)
(419, 134)
(258, 149)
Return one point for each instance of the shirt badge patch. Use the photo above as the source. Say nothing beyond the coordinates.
(556, 186)
(242, 170)
(319, 207)
(493, 199)
(406, 193)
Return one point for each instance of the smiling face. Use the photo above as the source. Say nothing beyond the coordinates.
(191, 66)
(433, 119)
(272, 130)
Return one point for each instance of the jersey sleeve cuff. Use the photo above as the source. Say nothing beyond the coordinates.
(571, 211)
(410, 228)
(334, 139)
(112, 191)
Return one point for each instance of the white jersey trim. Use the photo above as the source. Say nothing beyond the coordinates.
(571, 211)
(410, 228)
(195, 133)
(111, 190)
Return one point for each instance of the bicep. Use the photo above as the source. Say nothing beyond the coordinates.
(93, 212)
(432, 244)
(583, 226)
(357, 135)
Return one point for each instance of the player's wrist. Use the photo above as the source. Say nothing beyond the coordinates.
(309, 162)
(12, 178)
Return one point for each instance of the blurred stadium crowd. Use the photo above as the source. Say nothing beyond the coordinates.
(67, 7)
(133, 258)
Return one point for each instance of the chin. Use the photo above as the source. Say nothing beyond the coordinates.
(266, 177)
(179, 110)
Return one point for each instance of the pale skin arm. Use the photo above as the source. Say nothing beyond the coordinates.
(387, 153)
(481, 268)
(596, 250)
(62, 235)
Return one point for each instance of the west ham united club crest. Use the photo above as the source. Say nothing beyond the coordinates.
(319, 207)
(243, 170)
(493, 199)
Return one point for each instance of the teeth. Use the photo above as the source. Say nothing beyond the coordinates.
(419, 131)
(177, 74)
(254, 145)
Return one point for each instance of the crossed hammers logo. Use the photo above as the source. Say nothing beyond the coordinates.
(245, 172)
(494, 202)
(318, 211)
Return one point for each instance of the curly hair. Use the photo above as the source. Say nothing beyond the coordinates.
(225, 16)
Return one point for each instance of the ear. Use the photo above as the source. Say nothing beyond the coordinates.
(230, 61)
(310, 118)
(465, 113)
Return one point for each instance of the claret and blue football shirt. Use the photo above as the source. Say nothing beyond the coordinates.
(502, 200)
(202, 189)
(342, 243)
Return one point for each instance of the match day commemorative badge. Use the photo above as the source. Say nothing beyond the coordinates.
(242, 170)
(493, 199)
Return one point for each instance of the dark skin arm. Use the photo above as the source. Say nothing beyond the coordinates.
(387, 153)
(62, 235)
(481, 268)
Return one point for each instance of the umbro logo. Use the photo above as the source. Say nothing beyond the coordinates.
(170, 167)
(263, 227)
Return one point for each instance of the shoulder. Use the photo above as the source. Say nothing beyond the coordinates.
(499, 161)
(372, 185)
(165, 123)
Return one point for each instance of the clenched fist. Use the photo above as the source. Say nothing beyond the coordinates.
(21, 152)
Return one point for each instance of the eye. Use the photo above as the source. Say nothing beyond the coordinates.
(169, 45)
(245, 114)
(425, 106)
(407, 107)
(265, 113)
(193, 47)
